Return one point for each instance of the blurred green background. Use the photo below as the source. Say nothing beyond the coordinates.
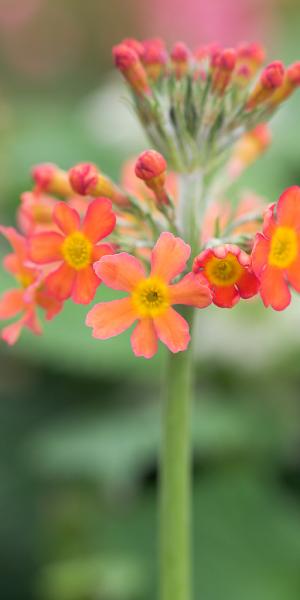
(80, 419)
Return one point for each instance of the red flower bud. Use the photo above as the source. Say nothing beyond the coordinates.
(293, 73)
(86, 179)
(154, 58)
(253, 53)
(49, 178)
(290, 83)
(180, 56)
(134, 45)
(270, 80)
(128, 62)
(151, 167)
(223, 64)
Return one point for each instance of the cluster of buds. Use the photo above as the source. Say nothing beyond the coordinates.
(155, 235)
(195, 105)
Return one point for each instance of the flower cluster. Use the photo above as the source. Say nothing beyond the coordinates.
(163, 238)
(194, 105)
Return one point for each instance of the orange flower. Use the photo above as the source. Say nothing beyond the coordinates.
(31, 293)
(151, 298)
(276, 252)
(227, 269)
(76, 249)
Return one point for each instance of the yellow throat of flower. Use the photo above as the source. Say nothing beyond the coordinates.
(223, 271)
(284, 247)
(151, 297)
(77, 250)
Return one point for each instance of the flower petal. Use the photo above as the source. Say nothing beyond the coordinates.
(66, 218)
(225, 296)
(293, 273)
(173, 330)
(102, 250)
(111, 318)
(45, 247)
(169, 256)
(191, 291)
(17, 241)
(11, 333)
(50, 305)
(99, 220)
(60, 282)
(288, 208)
(248, 284)
(85, 286)
(11, 303)
(260, 253)
(120, 271)
(11, 263)
(274, 289)
(144, 339)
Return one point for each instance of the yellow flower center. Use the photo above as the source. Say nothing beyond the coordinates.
(223, 271)
(151, 297)
(284, 247)
(77, 250)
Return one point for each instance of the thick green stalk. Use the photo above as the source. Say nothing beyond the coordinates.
(176, 479)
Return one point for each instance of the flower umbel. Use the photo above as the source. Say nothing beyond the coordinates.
(151, 298)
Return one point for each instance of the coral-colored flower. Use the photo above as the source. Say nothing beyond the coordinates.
(76, 248)
(35, 213)
(30, 294)
(227, 269)
(276, 252)
(151, 298)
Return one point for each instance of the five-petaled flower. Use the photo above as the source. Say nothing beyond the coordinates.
(227, 269)
(151, 298)
(29, 295)
(276, 252)
(75, 249)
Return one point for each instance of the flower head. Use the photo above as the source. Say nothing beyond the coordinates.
(29, 294)
(276, 252)
(75, 248)
(227, 269)
(150, 298)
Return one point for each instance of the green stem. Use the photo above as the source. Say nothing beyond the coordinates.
(176, 480)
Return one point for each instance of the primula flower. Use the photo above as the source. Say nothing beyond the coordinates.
(76, 248)
(151, 298)
(276, 252)
(227, 269)
(25, 299)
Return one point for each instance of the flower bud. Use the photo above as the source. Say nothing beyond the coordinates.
(154, 58)
(151, 167)
(290, 83)
(86, 180)
(251, 56)
(49, 178)
(270, 80)
(135, 45)
(128, 62)
(223, 65)
(180, 56)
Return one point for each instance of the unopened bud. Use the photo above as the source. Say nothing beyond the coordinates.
(50, 178)
(86, 180)
(252, 56)
(290, 83)
(270, 80)
(151, 167)
(154, 58)
(223, 64)
(134, 45)
(180, 56)
(128, 62)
